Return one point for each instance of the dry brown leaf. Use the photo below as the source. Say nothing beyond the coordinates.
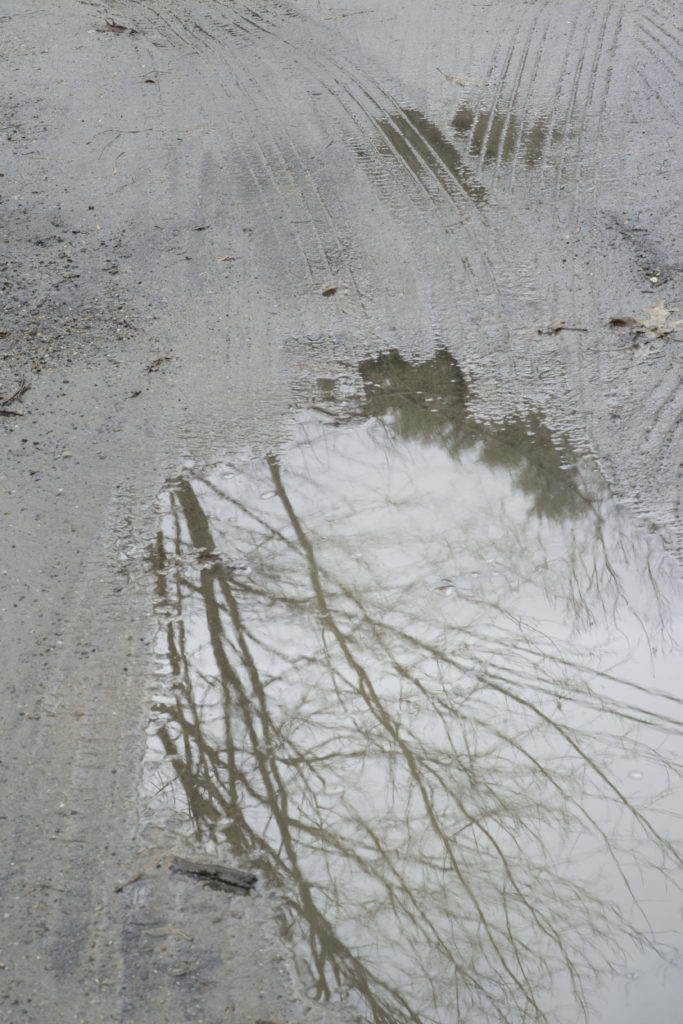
(626, 321)
(462, 79)
(198, 129)
(658, 322)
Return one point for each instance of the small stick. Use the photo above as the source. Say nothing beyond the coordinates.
(556, 328)
(4, 411)
(140, 873)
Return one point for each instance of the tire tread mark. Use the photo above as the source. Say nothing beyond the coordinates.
(278, 169)
(330, 259)
(419, 155)
(673, 34)
(451, 178)
(655, 91)
(522, 113)
(488, 76)
(512, 103)
(269, 165)
(383, 112)
(662, 52)
(590, 109)
(489, 115)
(666, 403)
(573, 95)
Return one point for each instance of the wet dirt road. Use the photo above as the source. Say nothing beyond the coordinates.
(246, 246)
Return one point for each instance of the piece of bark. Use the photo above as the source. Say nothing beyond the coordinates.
(233, 878)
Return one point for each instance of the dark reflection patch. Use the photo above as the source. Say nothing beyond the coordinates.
(429, 155)
(419, 674)
(495, 135)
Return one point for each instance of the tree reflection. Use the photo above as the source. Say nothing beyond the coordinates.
(429, 783)
(430, 400)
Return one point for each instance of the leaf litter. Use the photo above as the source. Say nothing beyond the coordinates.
(658, 323)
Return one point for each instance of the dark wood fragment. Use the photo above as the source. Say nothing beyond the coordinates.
(233, 878)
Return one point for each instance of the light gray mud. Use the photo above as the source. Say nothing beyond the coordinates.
(207, 207)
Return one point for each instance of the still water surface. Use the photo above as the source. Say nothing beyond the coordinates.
(423, 674)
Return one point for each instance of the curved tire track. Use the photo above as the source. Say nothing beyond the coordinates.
(434, 204)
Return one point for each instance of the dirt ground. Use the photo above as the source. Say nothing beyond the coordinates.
(206, 207)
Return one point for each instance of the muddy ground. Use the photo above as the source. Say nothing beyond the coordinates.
(206, 208)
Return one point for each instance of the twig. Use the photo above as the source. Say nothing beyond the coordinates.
(114, 26)
(143, 871)
(556, 328)
(4, 411)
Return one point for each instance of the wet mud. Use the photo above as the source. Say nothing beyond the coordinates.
(340, 498)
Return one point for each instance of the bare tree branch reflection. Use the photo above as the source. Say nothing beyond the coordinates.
(430, 783)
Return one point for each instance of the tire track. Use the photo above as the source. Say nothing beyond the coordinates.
(495, 142)
(410, 143)
(547, 107)
(513, 137)
(480, 113)
(661, 23)
(407, 142)
(657, 92)
(664, 44)
(594, 101)
(435, 202)
(433, 169)
(440, 219)
(579, 99)
(279, 168)
(666, 402)
(502, 131)
(418, 151)
(276, 186)
(481, 136)
(378, 107)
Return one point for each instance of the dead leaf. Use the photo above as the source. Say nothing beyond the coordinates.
(658, 321)
(626, 321)
(198, 129)
(462, 79)
(157, 363)
(329, 291)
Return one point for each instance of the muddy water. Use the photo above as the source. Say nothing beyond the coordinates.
(420, 672)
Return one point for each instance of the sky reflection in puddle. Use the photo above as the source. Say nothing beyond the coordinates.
(422, 674)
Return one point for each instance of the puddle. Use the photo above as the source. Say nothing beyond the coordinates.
(422, 675)
(496, 135)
